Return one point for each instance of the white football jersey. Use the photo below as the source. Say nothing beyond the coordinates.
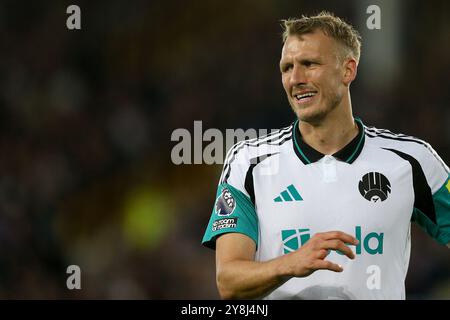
(279, 191)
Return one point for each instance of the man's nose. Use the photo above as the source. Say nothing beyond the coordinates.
(298, 76)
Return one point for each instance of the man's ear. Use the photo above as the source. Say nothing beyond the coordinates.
(350, 70)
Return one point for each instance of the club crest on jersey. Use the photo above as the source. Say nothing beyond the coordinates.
(374, 187)
(225, 204)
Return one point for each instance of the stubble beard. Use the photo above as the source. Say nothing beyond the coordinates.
(315, 117)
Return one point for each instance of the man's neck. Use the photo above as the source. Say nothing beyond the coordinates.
(330, 135)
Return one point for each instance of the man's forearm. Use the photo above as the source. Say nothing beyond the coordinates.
(250, 279)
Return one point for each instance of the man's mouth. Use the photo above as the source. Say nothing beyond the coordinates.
(305, 97)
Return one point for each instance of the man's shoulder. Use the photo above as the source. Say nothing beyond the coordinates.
(405, 143)
(409, 148)
(247, 149)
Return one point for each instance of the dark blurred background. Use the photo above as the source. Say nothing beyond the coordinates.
(86, 118)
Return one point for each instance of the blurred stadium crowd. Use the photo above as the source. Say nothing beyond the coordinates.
(86, 119)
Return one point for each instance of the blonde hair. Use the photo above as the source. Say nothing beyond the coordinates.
(330, 25)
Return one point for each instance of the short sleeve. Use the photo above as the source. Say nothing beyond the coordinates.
(233, 210)
(432, 203)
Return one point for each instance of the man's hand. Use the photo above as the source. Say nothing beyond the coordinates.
(311, 256)
(240, 277)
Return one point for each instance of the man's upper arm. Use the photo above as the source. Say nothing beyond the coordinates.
(234, 246)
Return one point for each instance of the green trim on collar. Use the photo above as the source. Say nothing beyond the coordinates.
(348, 154)
(296, 144)
(361, 140)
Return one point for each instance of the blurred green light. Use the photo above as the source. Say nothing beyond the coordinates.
(147, 218)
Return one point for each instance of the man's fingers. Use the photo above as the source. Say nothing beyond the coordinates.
(339, 235)
(327, 265)
(339, 245)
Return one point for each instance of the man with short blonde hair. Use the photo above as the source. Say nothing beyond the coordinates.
(333, 220)
(329, 24)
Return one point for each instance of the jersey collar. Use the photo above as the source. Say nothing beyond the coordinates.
(347, 154)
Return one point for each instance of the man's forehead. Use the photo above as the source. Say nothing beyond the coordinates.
(313, 43)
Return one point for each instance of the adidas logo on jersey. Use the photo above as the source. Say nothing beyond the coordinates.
(290, 194)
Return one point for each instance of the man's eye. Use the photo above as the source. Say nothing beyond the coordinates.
(286, 68)
(309, 63)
